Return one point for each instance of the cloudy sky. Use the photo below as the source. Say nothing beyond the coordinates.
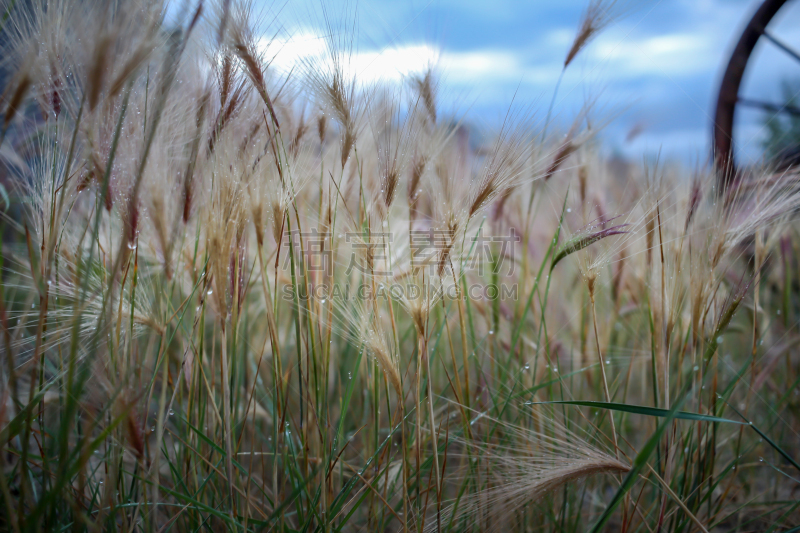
(653, 73)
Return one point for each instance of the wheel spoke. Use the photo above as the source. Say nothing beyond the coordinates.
(780, 44)
(768, 106)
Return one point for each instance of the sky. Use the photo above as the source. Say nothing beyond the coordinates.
(651, 76)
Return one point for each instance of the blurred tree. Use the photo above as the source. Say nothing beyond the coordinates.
(782, 142)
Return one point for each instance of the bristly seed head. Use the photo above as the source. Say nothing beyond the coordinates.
(598, 15)
(593, 232)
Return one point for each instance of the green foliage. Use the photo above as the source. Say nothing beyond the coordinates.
(782, 140)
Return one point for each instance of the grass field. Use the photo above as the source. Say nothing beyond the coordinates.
(234, 300)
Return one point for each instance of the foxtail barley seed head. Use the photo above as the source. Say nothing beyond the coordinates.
(598, 15)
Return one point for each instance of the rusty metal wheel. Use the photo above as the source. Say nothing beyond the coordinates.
(723, 143)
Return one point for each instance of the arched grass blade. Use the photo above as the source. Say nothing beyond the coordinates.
(639, 462)
(648, 411)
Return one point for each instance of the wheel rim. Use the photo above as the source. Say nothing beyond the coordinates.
(722, 138)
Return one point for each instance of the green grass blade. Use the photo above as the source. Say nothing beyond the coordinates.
(639, 463)
(643, 410)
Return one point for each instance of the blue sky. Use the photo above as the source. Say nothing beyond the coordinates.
(654, 71)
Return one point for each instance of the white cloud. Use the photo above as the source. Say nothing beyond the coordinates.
(670, 54)
(288, 52)
(370, 66)
(393, 64)
(480, 65)
(475, 67)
